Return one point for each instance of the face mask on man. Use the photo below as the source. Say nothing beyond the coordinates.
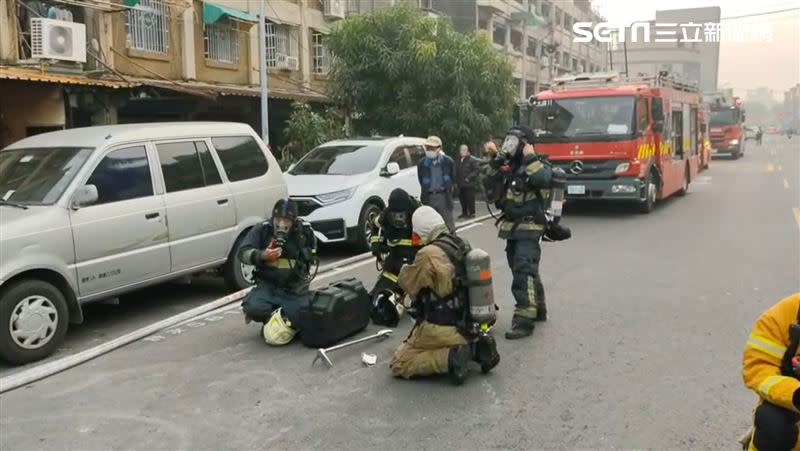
(431, 154)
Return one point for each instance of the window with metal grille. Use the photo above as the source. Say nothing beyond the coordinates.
(281, 45)
(322, 57)
(147, 25)
(222, 42)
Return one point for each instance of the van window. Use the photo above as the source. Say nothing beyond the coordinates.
(123, 174)
(187, 165)
(241, 157)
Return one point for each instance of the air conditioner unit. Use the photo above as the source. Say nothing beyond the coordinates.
(286, 62)
(334, 9)
(292, 63)
(58, 40)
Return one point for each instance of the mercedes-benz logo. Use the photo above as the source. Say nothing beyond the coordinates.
(576, 167)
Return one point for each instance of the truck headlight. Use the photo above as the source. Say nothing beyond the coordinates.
(734, 142)
(622, 167)
(336, 196)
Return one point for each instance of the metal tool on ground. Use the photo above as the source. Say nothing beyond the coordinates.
(322, 353)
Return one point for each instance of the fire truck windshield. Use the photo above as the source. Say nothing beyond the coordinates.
(726, 116)
(608, 118)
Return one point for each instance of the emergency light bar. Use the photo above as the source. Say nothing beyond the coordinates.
(613, 79)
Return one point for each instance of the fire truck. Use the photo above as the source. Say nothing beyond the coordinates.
(620, 138)
(727, 123)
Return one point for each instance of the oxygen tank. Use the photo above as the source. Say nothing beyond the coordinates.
(479, 283)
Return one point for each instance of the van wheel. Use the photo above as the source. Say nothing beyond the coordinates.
(648, 201)
(368, 215)
(33, 321)
(238, 275)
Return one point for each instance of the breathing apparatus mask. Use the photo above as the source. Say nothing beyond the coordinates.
(284, 216)
(515, 141)
(283, 227)
(399, 220)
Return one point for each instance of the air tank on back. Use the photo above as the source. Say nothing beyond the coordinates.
(479, 282)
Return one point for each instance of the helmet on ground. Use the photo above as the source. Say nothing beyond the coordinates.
(387, 307)
(278, 330)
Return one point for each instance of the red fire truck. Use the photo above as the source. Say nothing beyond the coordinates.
(727, 123)
(619, 138)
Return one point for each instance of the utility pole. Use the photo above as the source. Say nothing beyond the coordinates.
(262, 46)
(523, 86)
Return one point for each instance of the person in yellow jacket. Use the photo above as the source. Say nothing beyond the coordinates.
(768, 370)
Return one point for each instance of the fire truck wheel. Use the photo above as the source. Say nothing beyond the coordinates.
(737, 153)
(649, 200)
(686, 181)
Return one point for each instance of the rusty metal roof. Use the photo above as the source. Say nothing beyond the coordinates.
(206, 89)
(16, 73)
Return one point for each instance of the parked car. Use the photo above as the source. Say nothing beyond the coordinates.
(750, 132)
(773, 130)
(91, 213)
(342, 185)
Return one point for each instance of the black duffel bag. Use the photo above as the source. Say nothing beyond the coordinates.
(333, 313)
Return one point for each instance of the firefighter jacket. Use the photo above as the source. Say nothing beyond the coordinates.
(764, 352)
(397, 244)
(527, 181)
(429, 280)
(290, 269)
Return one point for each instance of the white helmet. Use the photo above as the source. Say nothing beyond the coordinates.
(278, 331)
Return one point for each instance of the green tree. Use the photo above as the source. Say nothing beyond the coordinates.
(400, 71)
(307, 129)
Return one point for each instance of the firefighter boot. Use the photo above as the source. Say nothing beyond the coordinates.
(520, 328)
(486, 352)
(458, 364)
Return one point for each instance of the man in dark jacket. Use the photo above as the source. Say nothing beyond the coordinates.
(467, 168)
(436, 173)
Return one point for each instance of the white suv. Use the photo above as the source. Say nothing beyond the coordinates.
(342, 185)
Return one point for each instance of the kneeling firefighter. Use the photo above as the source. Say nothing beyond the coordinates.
(452, 302)
(530, 193)
(771, 368)
(284, 253)
(393, 243)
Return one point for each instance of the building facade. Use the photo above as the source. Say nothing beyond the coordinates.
(697, 62)
(122, 61)
(791, 109)
(535, 35)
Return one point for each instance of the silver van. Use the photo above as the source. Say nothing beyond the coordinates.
(87, 214)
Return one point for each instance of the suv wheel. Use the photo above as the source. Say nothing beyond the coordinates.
(368, 215)
(33, 321)
(238, 275)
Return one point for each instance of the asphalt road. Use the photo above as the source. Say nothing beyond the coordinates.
(648, 318)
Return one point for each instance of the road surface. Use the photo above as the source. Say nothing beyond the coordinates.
(648, 318)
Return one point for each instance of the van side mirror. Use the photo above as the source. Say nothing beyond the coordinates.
(658, 114)
(391, 169)
(84, 196)
(658, 126)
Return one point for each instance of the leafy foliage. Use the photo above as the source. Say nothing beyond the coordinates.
(307, 129)
(401, 71)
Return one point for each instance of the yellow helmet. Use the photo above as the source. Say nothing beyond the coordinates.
(278, 331)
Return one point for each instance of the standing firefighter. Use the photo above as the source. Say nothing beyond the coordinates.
(393, 243)
(523, 185)
(283, 251)
(771, 369)
(447, 336)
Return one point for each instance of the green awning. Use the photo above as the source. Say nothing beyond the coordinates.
(214, 13)
(530, 19)
(130, 3)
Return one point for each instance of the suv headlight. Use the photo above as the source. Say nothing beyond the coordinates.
(336, 196)
(622, 167)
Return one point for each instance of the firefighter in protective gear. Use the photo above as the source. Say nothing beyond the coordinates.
(278, 331)
(283, 251)
(522, 181)
(435, 344)
(392, 242)
(768, 369)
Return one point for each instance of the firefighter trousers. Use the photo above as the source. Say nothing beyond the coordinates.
(523, 259)
(775, 429)
(425, 351)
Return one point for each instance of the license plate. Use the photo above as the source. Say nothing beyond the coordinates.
(576, 189)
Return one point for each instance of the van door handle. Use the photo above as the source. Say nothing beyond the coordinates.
(151, 215)
(222, 201)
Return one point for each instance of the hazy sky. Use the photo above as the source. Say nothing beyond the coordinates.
(742, 66)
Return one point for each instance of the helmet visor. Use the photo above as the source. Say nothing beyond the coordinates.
(510, 145)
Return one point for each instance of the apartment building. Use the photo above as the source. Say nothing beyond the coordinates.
(535, 35)
(86, 62)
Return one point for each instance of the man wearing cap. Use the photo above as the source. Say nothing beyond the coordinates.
(436, 173)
